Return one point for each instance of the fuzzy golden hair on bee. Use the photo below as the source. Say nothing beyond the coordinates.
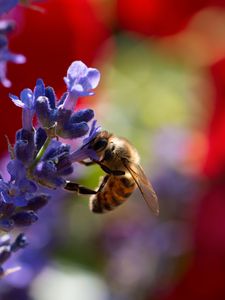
(119, 159)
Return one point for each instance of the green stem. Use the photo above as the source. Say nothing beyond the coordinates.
(40, 154)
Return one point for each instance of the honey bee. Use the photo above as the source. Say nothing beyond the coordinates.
(120, 160)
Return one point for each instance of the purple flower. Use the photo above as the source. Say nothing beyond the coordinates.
(6, 26)
(54, 164)
(5, 57)
(73, 125)
(93, 132)
(67, 124)
(18, 189)
(84, 151)
(18, 198)
(24, 218)
(80, 81)
(37, 202)
(24, 147)
(7, 247)
(6, 5)
(26, 99)
(54, 114)
(5, 54)
(27, 102)
(20, 242)
(38, 157)
(45, 114)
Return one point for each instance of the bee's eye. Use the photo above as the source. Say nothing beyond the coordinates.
(100, 145)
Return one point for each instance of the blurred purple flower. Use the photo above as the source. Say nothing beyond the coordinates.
(33, 259)
(6, 5)
(6, 55)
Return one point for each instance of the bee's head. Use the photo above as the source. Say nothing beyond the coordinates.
(100, 142)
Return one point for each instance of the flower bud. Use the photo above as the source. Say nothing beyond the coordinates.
(24, 218)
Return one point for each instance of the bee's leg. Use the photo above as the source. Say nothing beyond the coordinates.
(75, 187)
(103, 183)
(80, 189)
(111, 172)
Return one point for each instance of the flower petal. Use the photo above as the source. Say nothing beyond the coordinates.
(76, 70)
(16, 100)
(27, 98)
(93, 77)
(39, 89)
(16, 169)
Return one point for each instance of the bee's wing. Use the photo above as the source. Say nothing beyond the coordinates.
(144, 185)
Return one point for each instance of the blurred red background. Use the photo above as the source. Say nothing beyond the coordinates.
(45, 39)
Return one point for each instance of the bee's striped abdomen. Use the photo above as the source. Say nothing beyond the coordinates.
(114, 193)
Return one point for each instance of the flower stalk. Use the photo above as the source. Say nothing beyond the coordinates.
(39, 157)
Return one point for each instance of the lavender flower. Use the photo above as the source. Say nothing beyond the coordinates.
(6, 55)
(27, 102)
(18, 184)
(85, 151)
(24, 148)
(6, 5)
(7, 248)
(42, 240)
(69, 124)
(54, 164)
(80, 81)
(46, 160)
(18, 198)
(6, 27)
(38, 157)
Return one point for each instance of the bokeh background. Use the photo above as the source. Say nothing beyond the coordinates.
(163, 87)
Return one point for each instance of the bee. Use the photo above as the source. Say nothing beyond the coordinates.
(121, 162)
